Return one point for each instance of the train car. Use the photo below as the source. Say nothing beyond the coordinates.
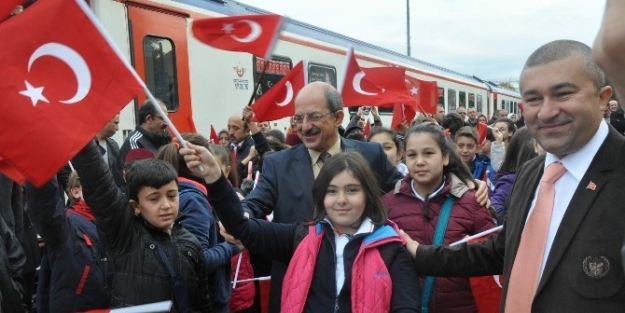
(209, 85)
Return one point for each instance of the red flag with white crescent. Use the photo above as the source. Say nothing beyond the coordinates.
(256, 34)
(62, 82)
(279, 100)
(358, 88)
(391, 80)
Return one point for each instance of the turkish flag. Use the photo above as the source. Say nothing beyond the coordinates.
(62, 83)
(367, 130)
(7, 6)
(424, 92)
(481, 131)
(256, 34)
(358, 88)
(402, 112)
(391, 80)
(486, 289)
(213, 138)
(278, 101)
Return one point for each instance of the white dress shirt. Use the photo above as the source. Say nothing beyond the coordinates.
(576, 165)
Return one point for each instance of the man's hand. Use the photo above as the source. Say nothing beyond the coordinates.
(411, 245)
(375, 113)
(229, 238)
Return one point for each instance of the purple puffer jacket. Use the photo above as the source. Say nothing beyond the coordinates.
(500, 195)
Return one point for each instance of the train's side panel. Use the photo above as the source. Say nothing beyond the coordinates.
(112, 15)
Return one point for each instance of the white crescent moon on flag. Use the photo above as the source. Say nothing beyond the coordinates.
(70, 57)
(253, 35)
(289, 95)
(496, 277)
(356, 84)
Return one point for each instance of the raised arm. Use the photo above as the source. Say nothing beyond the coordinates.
(261, 201)
(110, 206)
(609, 47)
(46, 210)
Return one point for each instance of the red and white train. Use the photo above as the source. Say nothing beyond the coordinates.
(210, 84)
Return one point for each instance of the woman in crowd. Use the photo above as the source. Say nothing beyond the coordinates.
(391, 145)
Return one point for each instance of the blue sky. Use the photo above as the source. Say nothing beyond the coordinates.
(487, 38)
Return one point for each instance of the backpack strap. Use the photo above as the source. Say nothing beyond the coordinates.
(181, 296)
(439, 236)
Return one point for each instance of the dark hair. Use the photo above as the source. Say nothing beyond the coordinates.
(224, 157)
(455, 165)
(355, 164)
(170, 153)
(276, 133)
(223, 131)
(562, 49)
(148, 173)
(148, 109)
(469, 132)
(356, 136)
(385, 130)
(276, 145)
(453, 122)
(519, 150)
(510, 124)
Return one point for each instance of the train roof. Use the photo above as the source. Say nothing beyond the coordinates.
(230, 7)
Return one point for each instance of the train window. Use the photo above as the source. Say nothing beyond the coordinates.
(503, 104)
(451, 100)
(269, 72)
(160, 69)
(441, 96)
(462, 99)
(322, 73)
(478, 108)
(471, 100)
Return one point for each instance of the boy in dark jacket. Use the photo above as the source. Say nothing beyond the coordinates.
(72, 272)
(151, 257)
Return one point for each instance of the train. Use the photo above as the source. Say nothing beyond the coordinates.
(207, 85)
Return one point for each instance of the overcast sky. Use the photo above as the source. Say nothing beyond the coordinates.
(487, 38)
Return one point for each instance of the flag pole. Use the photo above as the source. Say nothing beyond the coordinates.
(348, 55)
(482, 234)
(249, 103)
(96, 22)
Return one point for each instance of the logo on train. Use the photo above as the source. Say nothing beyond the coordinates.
(240, 83)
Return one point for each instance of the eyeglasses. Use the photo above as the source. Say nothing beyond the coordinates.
(159, 117)
(312, 117)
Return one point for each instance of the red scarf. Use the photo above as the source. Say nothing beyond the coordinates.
(81, 208)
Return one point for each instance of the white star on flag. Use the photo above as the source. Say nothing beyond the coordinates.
(35, 94)
(414, 90)
(228, 28)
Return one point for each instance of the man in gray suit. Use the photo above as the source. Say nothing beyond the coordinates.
(579, 267)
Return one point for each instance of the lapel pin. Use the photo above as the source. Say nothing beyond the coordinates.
(591, 186)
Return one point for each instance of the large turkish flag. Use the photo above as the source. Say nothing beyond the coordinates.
(256, 34)
(424, 92)
(279, 100)
(359, 85)
(61, 84)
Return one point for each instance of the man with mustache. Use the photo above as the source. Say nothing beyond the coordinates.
(151, 133)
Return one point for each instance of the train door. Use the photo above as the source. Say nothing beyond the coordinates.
(158, 37)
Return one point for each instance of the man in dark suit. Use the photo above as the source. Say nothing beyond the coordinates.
(579, 267)
(285, 187)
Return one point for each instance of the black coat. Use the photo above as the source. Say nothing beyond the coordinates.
(12, 260)
(135, 273)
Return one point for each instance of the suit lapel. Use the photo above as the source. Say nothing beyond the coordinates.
(302, 167)
(583, 198)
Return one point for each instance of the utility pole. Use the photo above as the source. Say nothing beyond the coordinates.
(408, 25)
